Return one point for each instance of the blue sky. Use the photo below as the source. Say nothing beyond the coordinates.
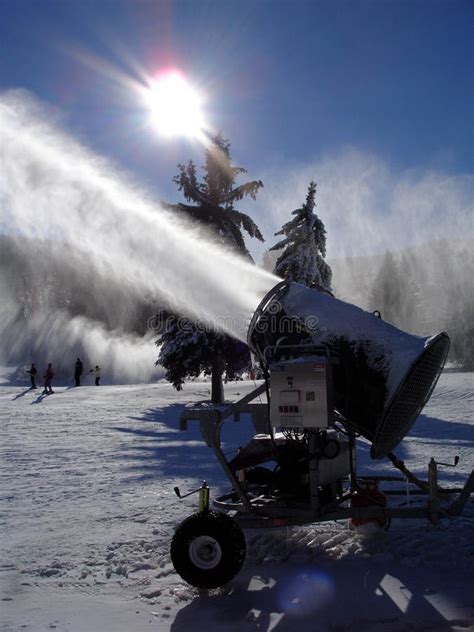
(292, 84)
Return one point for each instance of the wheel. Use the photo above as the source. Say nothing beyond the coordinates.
(208, 549)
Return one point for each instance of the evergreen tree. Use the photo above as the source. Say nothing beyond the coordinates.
(397, 294)
(192, 350)
(215, 196)
(386, 295)
(304, 246)
(459, 321)
(412, 312)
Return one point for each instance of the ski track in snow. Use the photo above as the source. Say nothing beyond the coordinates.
(87, 512)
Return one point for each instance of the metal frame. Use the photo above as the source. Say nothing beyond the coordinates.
(251, 507)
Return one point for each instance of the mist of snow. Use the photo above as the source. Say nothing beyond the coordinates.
(125, 357)
(369, 206)
(53, 188)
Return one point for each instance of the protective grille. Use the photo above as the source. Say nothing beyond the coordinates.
(411, 397)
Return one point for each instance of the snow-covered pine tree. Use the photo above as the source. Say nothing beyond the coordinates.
(215, 196)
(304, 246)
(193, 350)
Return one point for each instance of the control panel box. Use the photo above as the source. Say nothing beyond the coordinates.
(301, 394)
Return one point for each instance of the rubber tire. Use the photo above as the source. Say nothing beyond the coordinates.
(230, 538)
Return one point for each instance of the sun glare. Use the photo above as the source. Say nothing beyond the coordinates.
(175, 106)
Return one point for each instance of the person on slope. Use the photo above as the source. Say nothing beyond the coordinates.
(96, 372)
(48, 377)
(78, 368)
(33, 371)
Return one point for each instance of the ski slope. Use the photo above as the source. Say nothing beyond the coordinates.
(87, 511)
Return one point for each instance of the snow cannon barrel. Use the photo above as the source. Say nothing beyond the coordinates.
(383, 376)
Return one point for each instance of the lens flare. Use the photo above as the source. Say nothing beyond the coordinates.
(175, 105)
(306, 593)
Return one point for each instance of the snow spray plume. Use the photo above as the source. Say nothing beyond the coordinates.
(60, 339)
(53, 188)
(44, 335)
(367, 207)
(423, 216)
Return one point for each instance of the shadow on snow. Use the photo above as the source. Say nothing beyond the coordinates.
(159, 449)
(433, 432)
(309, 596)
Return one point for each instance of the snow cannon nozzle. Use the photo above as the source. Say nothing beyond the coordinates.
(382, 376)
(269, 303)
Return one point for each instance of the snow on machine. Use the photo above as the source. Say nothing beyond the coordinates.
(332, 373)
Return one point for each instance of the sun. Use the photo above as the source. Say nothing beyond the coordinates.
(175, 106)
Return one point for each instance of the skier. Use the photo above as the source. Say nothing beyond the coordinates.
(47, 380)
(97, 375)
(78, 368)
(33, 371)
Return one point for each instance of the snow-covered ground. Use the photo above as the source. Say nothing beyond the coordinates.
(88, 511)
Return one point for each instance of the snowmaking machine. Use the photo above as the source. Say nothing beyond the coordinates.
(332, 373)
